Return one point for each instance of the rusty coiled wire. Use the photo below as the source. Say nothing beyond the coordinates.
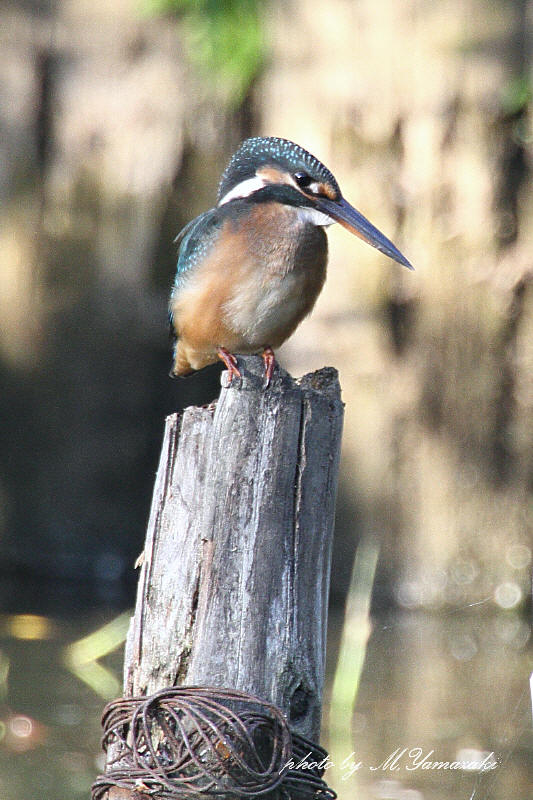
(193, 742)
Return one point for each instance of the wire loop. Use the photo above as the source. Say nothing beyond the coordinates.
(195, 742)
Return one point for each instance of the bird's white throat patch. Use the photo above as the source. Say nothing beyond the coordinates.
(314, 216)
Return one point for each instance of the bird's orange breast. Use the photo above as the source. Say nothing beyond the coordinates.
(259, 280)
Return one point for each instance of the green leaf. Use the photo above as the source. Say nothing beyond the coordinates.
(224, 40)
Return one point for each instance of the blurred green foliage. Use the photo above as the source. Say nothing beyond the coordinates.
(224, 40)
(517, 95)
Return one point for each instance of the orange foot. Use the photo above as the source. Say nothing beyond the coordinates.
(270, 363)
(230, 361)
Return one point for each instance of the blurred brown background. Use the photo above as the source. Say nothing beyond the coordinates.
(116, 121)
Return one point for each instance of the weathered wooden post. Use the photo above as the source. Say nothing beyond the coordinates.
(234, 586)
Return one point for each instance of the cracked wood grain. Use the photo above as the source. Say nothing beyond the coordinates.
(234, 586)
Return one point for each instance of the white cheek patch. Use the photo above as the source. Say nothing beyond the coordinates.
(314, 216)
(250, 185)
(244, 189)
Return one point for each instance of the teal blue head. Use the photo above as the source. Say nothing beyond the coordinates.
(266, 169)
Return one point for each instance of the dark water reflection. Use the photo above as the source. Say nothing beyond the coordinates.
(436, 688)
(453, 686)
(49, 717)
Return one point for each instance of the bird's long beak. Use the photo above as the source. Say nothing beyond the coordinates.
(348, 216)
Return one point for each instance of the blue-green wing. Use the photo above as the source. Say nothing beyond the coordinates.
(195, 241)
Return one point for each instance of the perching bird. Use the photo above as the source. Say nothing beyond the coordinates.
(250, 269)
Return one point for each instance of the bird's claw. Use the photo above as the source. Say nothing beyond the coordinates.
(232, 366)
(231, 363)
(270, 362)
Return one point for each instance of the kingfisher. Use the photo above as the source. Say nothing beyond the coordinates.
(251, 268)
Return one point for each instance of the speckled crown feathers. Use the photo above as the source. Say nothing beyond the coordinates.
(262, 150)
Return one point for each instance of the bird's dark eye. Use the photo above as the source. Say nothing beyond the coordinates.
(302, 179)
